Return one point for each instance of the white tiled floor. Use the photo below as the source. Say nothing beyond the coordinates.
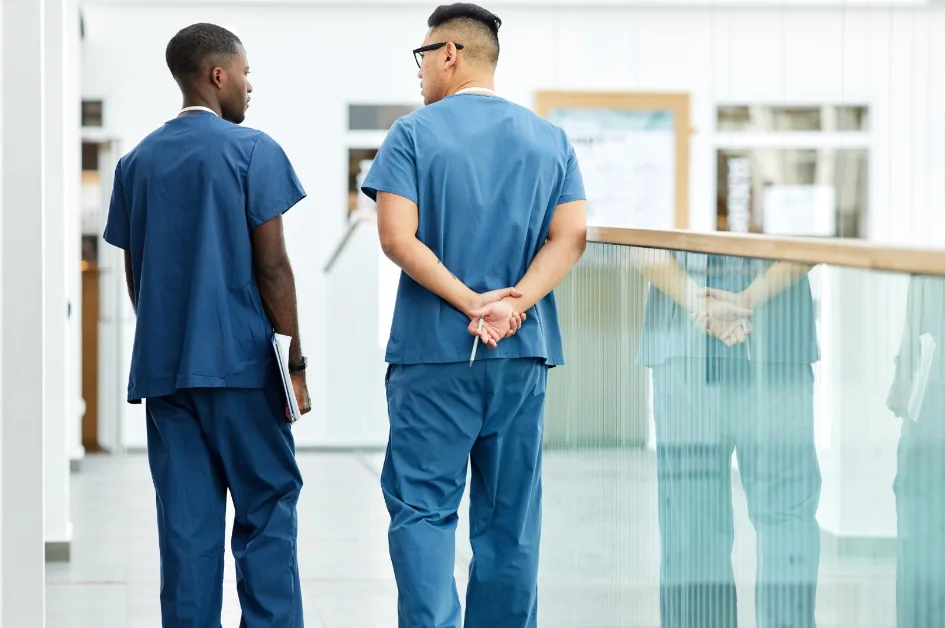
(599, 550)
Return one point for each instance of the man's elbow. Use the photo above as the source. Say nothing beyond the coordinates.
(395, 246)
(273, 268)
(580, 242)
(577, 242)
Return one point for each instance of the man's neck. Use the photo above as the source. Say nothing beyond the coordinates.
(195, 100)
(477, 83)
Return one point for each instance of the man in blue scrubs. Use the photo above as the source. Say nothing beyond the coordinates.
(920, 468)
(731, 342)
(197, 207)
(473, 194)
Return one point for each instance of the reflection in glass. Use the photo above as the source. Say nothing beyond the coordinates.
(828, 118)
(917, 397)
(731, 342)
(732, 461)
(792, 192)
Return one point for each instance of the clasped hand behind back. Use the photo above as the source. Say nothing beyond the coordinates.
(724, 315)
(500, 320)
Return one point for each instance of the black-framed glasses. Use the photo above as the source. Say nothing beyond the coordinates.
(418, 53)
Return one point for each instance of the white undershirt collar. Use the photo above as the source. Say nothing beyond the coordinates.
(477, 90)
(198, 108)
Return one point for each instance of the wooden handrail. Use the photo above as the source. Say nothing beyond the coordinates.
(835, 251)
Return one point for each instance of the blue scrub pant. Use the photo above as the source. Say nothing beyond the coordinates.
(443, 416)
(920, 512)
(202, 442)
(764, 412)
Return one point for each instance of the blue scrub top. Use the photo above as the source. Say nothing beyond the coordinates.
(184, 203)
(783, 329)
(486, 176)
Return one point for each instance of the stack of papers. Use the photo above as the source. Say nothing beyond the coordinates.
(280, 344)
(920, 378)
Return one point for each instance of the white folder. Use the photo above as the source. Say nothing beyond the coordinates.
(920, 378)
(280, 344)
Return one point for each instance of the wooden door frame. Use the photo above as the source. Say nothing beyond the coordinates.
(677, 102)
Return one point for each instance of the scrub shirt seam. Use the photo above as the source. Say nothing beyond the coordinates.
(123, 242)
(249, 164)
(273, 210)
(252, 151)
(384, 187)
(571, 198)
(289, 201)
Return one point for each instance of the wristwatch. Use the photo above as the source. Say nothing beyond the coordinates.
(301, 366)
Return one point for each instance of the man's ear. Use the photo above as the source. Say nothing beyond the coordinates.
(217, 77)
(451, 54)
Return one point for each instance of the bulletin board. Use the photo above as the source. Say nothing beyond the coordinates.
(633, 148)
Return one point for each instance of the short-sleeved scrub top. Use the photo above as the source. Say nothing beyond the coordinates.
(486, 175)
(184, 203)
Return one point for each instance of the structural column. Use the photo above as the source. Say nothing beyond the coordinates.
(56, 366)
(22, 564)
(72, 138)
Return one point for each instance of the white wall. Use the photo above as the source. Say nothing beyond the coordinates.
(2, 205)
(355, 397)
(22, 587)
(310, 61)
(75, 405)
(61, 172)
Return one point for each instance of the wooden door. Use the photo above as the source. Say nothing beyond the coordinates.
(90, 315)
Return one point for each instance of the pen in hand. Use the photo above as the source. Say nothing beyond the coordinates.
(747, 339)
(475, 343)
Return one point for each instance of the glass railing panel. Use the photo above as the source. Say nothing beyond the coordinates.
(769, 453)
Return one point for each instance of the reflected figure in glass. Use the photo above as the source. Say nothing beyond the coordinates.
(917, 397)
(731, 343)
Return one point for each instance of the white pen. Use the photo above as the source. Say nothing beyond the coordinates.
(475, 344)
(747, 339)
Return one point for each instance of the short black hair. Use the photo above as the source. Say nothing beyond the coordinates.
(189, 49)
(466, 12)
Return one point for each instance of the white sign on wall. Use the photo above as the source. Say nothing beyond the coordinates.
(800, 210)
(628, 162)
(738, 202)
(92, 209)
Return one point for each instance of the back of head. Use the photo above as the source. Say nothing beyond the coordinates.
(208, 63)
(191, 48)
(476, 28)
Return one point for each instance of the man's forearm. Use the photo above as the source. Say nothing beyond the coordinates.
(663, 271)
(779, 278)
(552, 263)
(130, 282)
(277, 289)
(422, 265)
(131, 297)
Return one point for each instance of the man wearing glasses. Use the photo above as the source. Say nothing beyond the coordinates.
(473, 194)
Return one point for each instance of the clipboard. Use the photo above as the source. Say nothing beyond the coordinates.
(280, 345)
(920, 378)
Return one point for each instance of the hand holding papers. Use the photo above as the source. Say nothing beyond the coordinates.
(280, 345)
(920, 378)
